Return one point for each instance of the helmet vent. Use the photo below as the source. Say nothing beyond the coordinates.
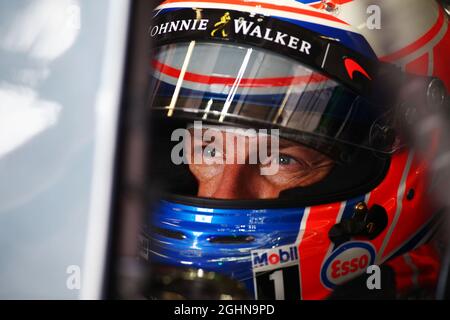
(170, 233)
(231, 239)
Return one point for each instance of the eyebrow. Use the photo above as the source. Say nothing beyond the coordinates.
(287, 143)
(283, 143)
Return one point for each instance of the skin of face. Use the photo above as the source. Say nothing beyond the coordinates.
(299, 166)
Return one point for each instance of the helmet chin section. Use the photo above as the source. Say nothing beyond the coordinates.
(220, 240)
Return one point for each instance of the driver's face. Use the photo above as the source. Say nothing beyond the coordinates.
(299, 166)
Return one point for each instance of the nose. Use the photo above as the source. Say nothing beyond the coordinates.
(236, 182)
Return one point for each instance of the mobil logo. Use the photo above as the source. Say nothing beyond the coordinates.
(274, 258)
(347, 262)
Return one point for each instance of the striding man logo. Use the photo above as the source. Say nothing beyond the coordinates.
(221, 25)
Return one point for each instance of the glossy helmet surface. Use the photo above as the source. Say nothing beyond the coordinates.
(346, 63)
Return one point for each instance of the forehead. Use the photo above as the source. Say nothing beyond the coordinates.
(231, 132)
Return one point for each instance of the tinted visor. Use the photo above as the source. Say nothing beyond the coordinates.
(244, 86)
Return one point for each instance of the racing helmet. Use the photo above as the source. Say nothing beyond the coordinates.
(320, 74)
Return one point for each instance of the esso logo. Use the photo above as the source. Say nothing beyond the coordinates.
(346, 263)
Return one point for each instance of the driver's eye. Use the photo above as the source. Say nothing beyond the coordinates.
(286, 160)
(210, 152)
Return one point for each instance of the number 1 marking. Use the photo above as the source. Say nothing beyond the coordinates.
(277, 278)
